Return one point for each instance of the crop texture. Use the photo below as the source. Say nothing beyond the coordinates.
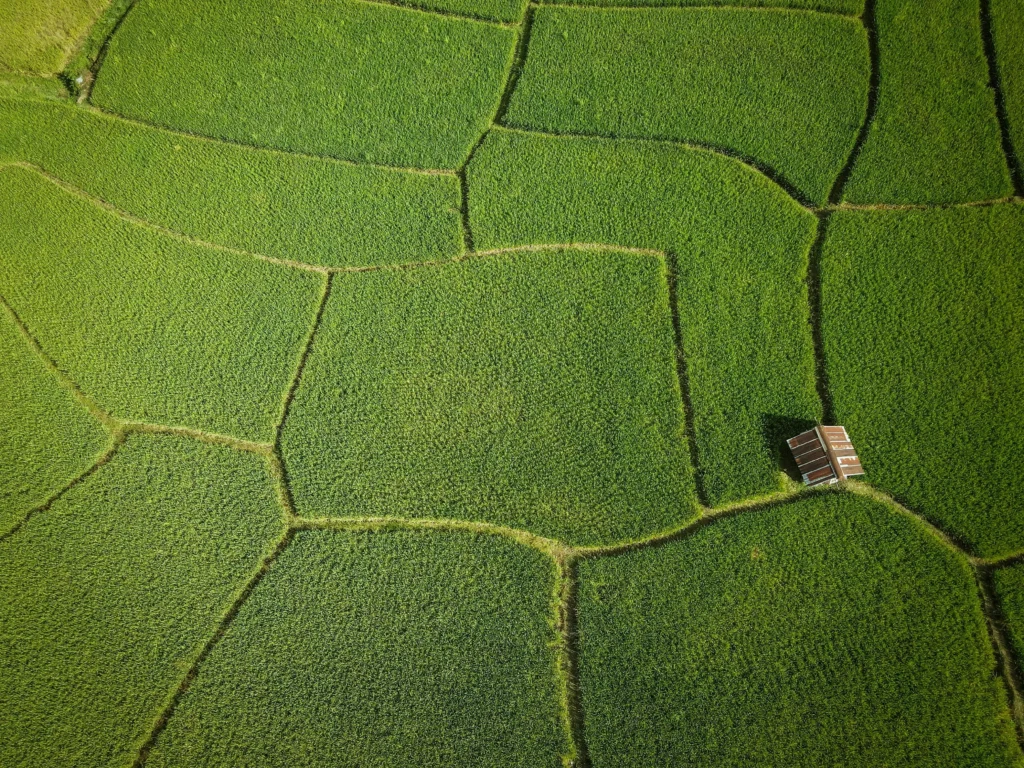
(718, 650)
(46, 437)
(738, 247)
(168, 332)
(383, 84)
(738, 80)
(108, 597)
(538, 392)
(39, 35)
(935, 137)
(925, 360)
(1009, 583)
(328, 213)
(1008, 41)
(849, 7)
(381, 649)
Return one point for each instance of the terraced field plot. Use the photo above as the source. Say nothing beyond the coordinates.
(408, 383)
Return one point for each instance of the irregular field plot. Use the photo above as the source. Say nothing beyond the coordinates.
(46, 437)
(155, 329)
(835, 6)
(109, 595)
(383, 649)
(827, 632)
(739, 80)
(739, 246)
(302, 209)
(935, 137)
(379, 84)
(535, 390)
(1008, 38)
(924, 345)
(39, 35)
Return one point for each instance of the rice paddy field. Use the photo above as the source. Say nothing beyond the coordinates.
(407, 383)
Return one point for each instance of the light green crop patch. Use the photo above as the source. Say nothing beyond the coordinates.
(924, 346)
(785, 90)
(935, 137)
(46, 437)
(40, 35)
(739, 246)
(849, 7)
(1009, 584)
(298, 208)
(381, 649)
(534, 390)
(835, 613)
(154, 329)
(508, 11)
(1008, 39)
(109, 595)
(361, 81)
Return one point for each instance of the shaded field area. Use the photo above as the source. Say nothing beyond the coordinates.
(407, 382)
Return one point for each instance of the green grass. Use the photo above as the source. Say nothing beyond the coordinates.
(382, 649)
(924, 347)
(740, 247)
(536, 390)
(109, 595)
(298, 208)
(739, 80)
(380, 84)
(153, 328)
(828, 6)
(508, 11)
(46, 437)
(40, 35)
(935, 137)
(1008, 37)
(1009, 583)
(828, 632)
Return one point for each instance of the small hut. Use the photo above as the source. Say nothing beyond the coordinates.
(825, 455)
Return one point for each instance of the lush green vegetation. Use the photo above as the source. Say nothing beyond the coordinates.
(1009, 583)
(383, 649)
(382, 84)
(534, 390)
(739, 246)
(109, 595)
(830, 6)
(739, 80)
(935, 137)
(1008, 38)
(327, 213)
(827, 632)
(924, 345)
(40, 35)
(157, 329)
(46, 437)
(509, 11)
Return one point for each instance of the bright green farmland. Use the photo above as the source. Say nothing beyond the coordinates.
(933, 402)
(739, 251)
(383, 85)
(407, 382)
(721, 649)
(735, 80)
(40, 35)
(157, 330)
(110, 594)
(46, 437)
(382, 649)
(538, 392)
(935, 137)
(329, 213)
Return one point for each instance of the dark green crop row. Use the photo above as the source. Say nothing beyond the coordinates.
(378, 650)
(46, 437)
(828, 6)
(785, 89)
(924, 345)
(1009, 583)
(291, 207)
(381, 84)
(533, 390)
(153, 328)
(827, 632)
(109, 596)
(739, 246)
(1008, 39)
(935, 137)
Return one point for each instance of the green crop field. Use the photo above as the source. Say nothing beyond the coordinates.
(407, 383)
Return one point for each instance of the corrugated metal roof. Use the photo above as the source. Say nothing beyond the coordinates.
(825, 455)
